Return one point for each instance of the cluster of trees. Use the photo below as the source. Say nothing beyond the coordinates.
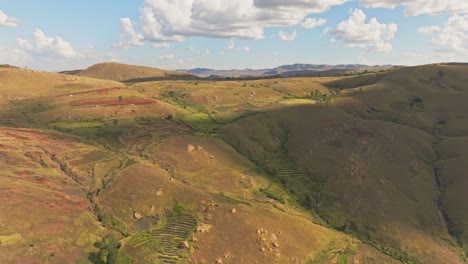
(321, 98)
(108, 250)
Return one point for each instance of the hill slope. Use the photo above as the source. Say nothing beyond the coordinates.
(130, 73)
(356, 169)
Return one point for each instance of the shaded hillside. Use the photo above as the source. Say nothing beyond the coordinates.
(130, 73)
(339, 169)
(371, 178)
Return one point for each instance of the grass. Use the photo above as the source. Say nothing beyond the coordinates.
(77, 125)
(363, 163)
(201, 122)
(298, 101)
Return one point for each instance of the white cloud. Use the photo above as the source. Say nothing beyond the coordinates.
(51, 53)
(232, 46)
(167, 57)
(311, 23)
(162, 45)
(128, 36)
(45, 45)
(7, 21)
(15, 57)
(429, 30)
(419, 7)
(162, 20)
(374, 36)
(452, 37)
(284, 36)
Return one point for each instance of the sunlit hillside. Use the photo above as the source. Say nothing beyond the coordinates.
(366, 168)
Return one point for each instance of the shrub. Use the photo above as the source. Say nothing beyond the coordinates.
(108, 250)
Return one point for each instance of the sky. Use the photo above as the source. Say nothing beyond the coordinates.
(58, 35)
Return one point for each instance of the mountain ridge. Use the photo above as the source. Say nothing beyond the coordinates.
(288, 70)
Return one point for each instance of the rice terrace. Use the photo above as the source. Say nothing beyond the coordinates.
(190, 145)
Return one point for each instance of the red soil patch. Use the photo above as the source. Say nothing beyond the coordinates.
(15, 136)
(98, 91)
(114, 101)
(41, 180)
(83, 205)
(198, 99)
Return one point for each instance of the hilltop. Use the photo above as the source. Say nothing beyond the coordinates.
(129, 73)
(363, 168)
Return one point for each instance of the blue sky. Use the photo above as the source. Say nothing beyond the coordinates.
(224, 34)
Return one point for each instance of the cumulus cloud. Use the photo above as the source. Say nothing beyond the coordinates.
(14, 56)
(231, 46)
(311, 23)
(51, 53)
(162, 45)
(429, 30)
(419, 7)
(284, 36)
(45, 45)
(7, 21)
(162, 20)
(374, 36)
(167, 57)
(451, 37)
(128, 36)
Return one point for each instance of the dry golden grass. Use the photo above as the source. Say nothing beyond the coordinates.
(196, 150)
(46, 216)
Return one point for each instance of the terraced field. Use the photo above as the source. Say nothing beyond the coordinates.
(169, 240)
(284, 167)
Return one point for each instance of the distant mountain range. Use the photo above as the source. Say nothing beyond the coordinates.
(283, 71)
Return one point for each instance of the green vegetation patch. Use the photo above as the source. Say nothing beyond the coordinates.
(297, 101)
(201, 121)
(163, 244)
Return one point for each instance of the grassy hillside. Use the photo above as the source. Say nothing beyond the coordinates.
(451, 172)
(343, 169)
(130, 73)
(370, 178)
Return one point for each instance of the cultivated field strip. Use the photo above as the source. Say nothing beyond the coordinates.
(178, 228)
(283, 167)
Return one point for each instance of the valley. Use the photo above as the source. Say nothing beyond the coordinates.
(139, 167)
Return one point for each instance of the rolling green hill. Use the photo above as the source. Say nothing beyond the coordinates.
(345, 169)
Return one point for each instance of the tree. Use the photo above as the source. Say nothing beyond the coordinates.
(120, 98)
(108, 250)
